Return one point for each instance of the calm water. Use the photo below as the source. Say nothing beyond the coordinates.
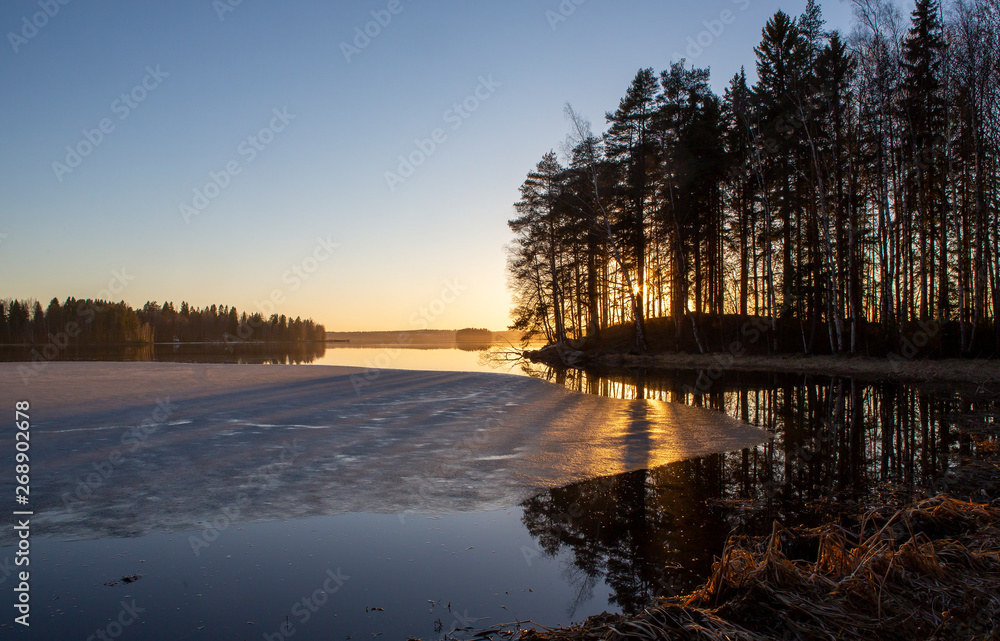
(245, 583)
(608, 543)
(837, 442)
(384, 356)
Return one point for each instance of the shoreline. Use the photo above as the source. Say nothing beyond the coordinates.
(979, 371)
(859, 580)
(208, 402)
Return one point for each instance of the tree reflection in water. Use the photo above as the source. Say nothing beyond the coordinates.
(233, 352)
(837, 443)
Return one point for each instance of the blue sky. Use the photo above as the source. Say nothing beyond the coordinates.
(288, 135)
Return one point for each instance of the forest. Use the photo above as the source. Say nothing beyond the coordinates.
(844, 202)
(98, 322)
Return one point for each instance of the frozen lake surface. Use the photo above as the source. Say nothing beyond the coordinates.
(217, 480)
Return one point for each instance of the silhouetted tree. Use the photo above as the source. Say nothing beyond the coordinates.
(849, 200)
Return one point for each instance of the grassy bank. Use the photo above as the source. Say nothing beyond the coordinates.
(975, 371)
(981, 371)
(930, 570)
(927, 571)
(731, 349)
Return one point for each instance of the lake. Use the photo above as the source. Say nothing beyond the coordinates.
(426, 504)
(372, 355)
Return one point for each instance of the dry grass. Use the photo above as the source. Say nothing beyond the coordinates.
(929, 571)
(983, 372)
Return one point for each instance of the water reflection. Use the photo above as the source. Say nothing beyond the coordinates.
(429, 357)
(121, 461)
(233, 353)
(838, 442)
(633, 536)
(832, 434)
(645, 533)
(466, 357)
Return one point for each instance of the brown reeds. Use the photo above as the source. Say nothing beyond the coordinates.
(928, 571)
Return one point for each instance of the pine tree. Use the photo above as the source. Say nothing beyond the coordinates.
(583, 208)
(690, 129)
(736, 116)
(4, 329)
(631, 144)
(539, 230)
(866, 174)
(811, 23)
(924, 131)
(781, 64)
(835, 73)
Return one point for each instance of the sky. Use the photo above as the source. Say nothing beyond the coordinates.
(350, 162)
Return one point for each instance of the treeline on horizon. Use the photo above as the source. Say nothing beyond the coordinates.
(99, 322)
(845, 202)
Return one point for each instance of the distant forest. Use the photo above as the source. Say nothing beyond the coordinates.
(97, 322)
(471, 338)
(845, 202)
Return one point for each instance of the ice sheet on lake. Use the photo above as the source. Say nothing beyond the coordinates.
(131, 448)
